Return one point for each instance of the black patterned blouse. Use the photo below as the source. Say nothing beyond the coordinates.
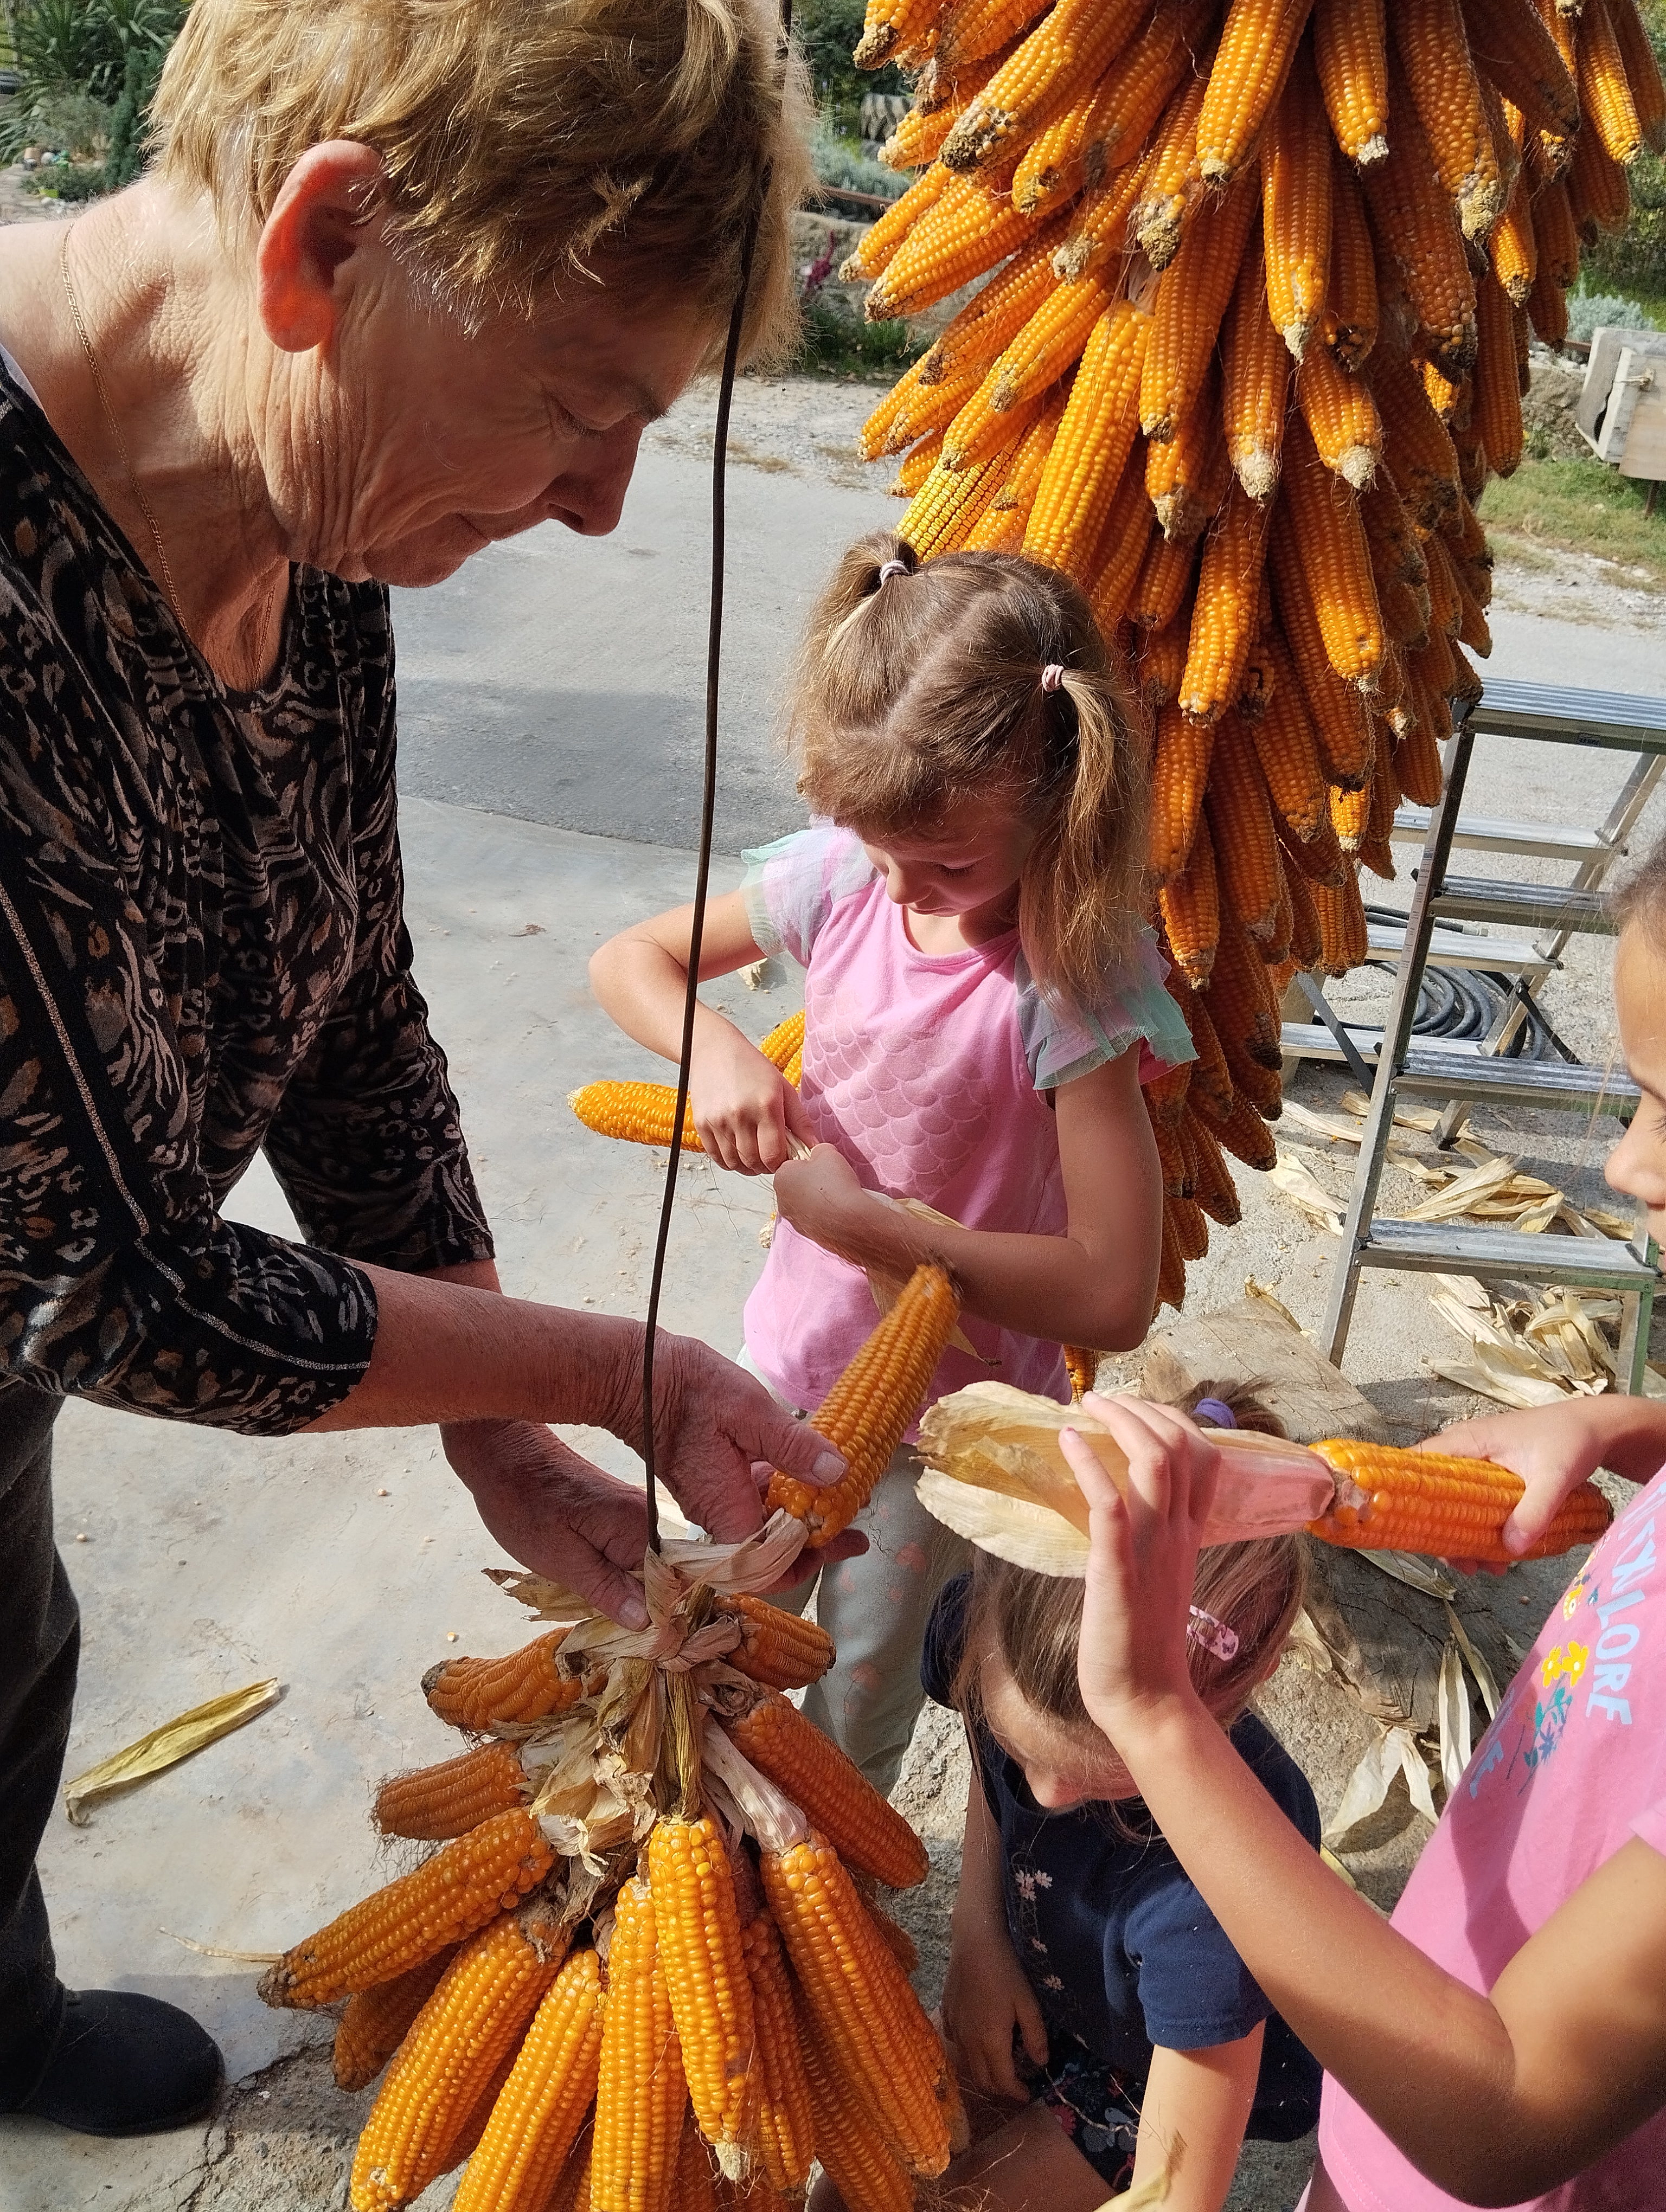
(202, 952)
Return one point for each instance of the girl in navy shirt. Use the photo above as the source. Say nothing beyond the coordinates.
(1087, 1976)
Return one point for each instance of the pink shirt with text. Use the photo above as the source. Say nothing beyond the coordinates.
(1573, 1768)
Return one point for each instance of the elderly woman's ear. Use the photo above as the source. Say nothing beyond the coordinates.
(319, 221)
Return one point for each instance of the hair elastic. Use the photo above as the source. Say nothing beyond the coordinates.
(1213, 1635)
(1052, 676)
(1216, 1411)
(892, 567)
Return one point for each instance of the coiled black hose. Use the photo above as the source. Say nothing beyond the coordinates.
(1464, 1003)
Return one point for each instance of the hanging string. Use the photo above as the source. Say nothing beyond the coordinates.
(707, 809)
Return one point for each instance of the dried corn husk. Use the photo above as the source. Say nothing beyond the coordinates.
(167, 1746)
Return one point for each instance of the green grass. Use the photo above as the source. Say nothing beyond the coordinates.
(836, 345)
(1581, 507)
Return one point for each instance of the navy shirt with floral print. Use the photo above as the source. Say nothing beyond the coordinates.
(1121, 1948)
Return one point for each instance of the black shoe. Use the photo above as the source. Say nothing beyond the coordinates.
(126, 2065)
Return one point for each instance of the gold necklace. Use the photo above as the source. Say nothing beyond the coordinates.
(97, 374)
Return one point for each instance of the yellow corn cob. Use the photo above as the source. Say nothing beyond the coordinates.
(1405, 613)
(1161, 585)
(1606, 105)
(1341, 925)
(877, 245)
(698, 1931)
(1497, 415)
(858, 2002)
(1350, 811)
(1417, 764)
(1341, 721)
(1284, 745)
(1342, 414)
(1192, 295)
(949, 504)
(1228, 608)
(1185, 1218)
(1508, 131)
(639, 1112)
(975, 28)
(375, 2022)
(1124, 540)
(435, 1803)
(1160, 659)
(1053, 169)
(864, 1414)
(786, 2131)
(1432, 1502)
(1212, 1179)
(969, 229)
(995, 314)
(894, 28)
(1524, 344)
(641, 2095)
(1240, 822)
(917, 465)
(868, 1834)
(1396, 551)
(1082, 1366)
(1546, 306)
(1171, 181)
(1557, 236)
(1113, 118)
(1418, 444)
(694, 2187)
(1306, 949)
(1092, 446)
(459, 2042)
(1063, 56)
(1415, 224)
(776, 1648)
(1450, 400)
(1434, 52)
(1257, 44)
(528, 1685)
(866, 2175)
(978, 434)
(1191, 907)
(1512, 46)
(1210, 1082)
(1180, 771)
(457, 1891)
(1350, 313)
(1322, 521)
(1186, 478)
(1295, 191)
(540, 2110)
(1260, 678)
(1242, 1131)
(1642, 73)
(1254, 379)
(1099, 226)
(941, 94)
(1598, 194)
(1350, 49)
(1245, 1009)
(1444, 611)
(1002, 527)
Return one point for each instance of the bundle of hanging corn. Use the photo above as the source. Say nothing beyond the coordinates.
(1260, 281)
(646, 1970)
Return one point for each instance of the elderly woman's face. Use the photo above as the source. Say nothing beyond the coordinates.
(420, 440)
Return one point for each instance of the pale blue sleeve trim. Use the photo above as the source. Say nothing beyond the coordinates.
(1059, 1046)
(791, 886)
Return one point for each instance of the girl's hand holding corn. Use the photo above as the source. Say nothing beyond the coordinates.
(1135, 1611)
(746, 1112)
(1554, 1449)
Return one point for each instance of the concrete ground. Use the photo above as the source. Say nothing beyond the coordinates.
(550, 709)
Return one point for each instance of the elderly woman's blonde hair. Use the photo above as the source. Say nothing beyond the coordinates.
(526, 143)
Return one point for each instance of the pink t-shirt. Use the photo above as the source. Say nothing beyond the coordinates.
(1572, 1769)
(927, 1070)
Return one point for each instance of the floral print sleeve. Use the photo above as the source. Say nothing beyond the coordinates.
(201, 951)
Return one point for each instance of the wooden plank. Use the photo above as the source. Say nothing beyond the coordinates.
(1252, 1342)
(1645, 441)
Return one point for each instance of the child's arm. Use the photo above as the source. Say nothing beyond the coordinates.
(1095, 1285)
(1495, 2099)
(987, 1992)
(743, 1108)
(1201, 2098)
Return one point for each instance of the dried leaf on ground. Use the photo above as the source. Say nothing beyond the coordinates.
(1306, 1192)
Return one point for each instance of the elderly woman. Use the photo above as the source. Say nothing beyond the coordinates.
(408, 276)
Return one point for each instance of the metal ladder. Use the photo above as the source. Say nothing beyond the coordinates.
(1460, 1074)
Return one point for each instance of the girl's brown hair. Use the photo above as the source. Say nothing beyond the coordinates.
(1034, 1621)
(1642, 896)
(915, 693)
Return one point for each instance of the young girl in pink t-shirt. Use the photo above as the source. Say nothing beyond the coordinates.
(981, 1001)
(1503, 2040)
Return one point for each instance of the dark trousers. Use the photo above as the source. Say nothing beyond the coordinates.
(40, 1644)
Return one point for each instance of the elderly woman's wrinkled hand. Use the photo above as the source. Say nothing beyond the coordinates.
(554, 1511)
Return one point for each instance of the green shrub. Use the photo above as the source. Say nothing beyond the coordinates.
(840, 161)
(1587, 312)
(89, 71)
(826, 32)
